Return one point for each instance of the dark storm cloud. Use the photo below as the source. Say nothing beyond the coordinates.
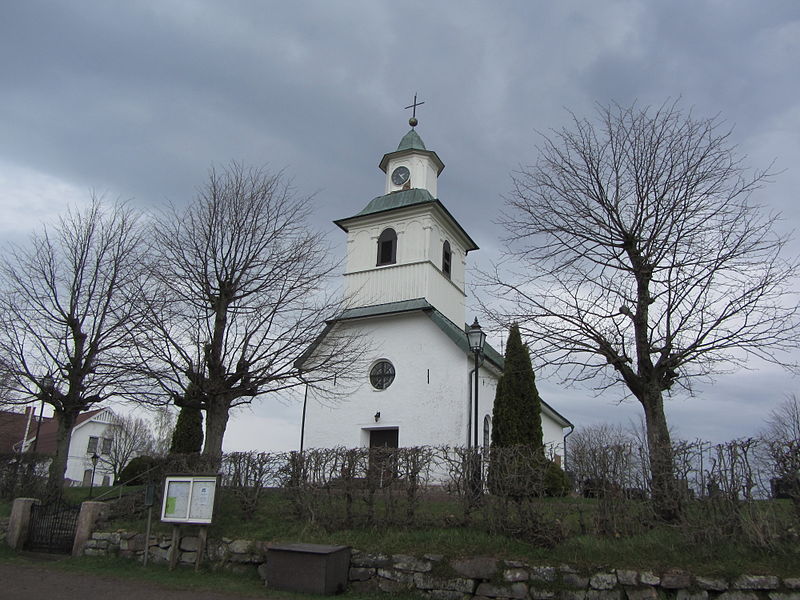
(139, 98)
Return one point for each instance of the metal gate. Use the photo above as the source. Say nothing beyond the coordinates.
(52, 527)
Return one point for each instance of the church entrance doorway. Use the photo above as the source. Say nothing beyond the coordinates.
(382, 455)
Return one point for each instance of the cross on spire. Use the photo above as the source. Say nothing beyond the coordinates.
(413, 120)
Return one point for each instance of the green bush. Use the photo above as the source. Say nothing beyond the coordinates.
(139, 471)
(556, 482)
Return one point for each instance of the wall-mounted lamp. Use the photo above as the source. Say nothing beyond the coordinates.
(377, 416)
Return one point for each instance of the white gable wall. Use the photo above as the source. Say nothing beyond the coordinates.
(417, 272)
(79, 459)
(427, 401)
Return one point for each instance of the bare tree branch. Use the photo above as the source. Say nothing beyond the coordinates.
(66, 308)
(237, 291)
(637, 256)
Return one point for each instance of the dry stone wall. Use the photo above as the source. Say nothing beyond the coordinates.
(472, 578)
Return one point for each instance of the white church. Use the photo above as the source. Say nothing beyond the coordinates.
(405, 282)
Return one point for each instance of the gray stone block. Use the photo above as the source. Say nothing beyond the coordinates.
(737, 595)
(425, 581)
(603, 581)
(398, 576)
(240, 546)
(364, 559)
(793, 583)
(756, 582)
(544, 574)
(641, 593)
(475, 568)
(446, 595)
(648, 578)
(784, 595)
(627, 577)
(190, 543)
(676, 579)
(360, 574)
(541, 593)
(604, 594)
(404, 562)
(572, 595)
(516, 574)
(515, 590)
(692, 595)
(575, 580)
(713, 584)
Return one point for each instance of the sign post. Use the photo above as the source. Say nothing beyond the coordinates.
(188, 500)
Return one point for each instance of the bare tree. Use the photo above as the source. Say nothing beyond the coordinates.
(783, 422)
(163, 428)
(238, 290)
(65, 310)
(130, 437)
(638, 258)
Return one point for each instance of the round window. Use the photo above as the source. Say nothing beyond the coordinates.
(381, 375)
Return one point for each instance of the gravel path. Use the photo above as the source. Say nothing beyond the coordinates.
(40, 582)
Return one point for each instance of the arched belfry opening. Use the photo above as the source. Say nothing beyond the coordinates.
(387, 247)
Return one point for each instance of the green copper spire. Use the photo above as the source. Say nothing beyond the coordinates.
(411, 141)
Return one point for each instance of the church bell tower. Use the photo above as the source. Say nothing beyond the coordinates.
(405, 245)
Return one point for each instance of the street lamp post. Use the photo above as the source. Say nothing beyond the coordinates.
(94, 460)
(476, 337)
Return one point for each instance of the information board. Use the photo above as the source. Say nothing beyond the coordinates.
(189, 499)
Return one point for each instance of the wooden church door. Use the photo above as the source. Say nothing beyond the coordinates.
(382, 459)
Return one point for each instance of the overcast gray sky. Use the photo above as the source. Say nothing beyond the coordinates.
(137, 99)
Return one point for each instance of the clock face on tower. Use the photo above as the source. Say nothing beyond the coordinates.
(400, 175)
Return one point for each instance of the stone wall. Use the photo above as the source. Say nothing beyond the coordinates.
(475, 578)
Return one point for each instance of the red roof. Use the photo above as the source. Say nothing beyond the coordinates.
(12, 431)
(48, 433)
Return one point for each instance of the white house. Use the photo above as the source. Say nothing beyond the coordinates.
(405, 279)
(92, 435)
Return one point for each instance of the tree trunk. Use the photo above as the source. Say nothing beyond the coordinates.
(216, 422)
(667, 500)
(55, 478)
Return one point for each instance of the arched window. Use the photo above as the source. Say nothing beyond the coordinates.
(387, 247)
(447, 259)
(487, 431)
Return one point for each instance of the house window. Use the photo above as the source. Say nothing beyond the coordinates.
(92, 447)
(387, 247)
(106, 480)
(487, 431)
(381, 375)
(447, 259)
(87, 478)
(106, 446)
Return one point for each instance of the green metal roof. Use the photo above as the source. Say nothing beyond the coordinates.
(410, 144)
(403, 199)
(397, 200)
(411, 141)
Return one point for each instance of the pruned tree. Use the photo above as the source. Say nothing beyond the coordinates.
(66, 305)
(238, 290)
(517, 411)
(637, 257)
(130, 437)
(187, 437)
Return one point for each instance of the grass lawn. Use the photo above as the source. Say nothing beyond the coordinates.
(436, 531)
(657, 548)
(183, 578)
